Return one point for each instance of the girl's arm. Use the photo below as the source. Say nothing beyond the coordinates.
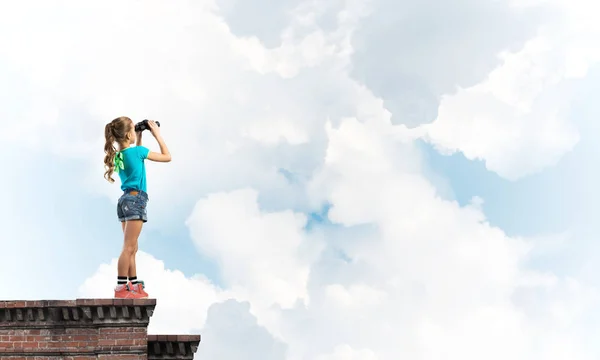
(138, 138)
(164, 155)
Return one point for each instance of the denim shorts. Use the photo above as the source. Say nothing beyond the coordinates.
(132, 207)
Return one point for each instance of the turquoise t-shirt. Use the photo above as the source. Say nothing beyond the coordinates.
(133, 173)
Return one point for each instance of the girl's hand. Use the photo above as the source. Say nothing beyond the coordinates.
(154, 129)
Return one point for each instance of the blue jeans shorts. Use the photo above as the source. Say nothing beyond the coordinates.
(132, 205)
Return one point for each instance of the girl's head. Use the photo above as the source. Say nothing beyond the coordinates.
(121, 131)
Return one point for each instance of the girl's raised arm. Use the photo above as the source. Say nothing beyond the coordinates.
(164, 155)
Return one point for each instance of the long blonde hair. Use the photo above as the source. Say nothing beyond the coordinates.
(114, 131)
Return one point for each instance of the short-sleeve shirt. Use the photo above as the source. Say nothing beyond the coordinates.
(133, 174)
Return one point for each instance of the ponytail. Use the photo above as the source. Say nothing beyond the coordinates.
(111, 151)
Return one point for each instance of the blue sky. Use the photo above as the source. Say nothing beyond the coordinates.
(325, 158)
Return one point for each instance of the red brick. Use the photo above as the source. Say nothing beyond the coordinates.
(82, 331)
(126, 342)
(94, 302)
(34, 304)
(59, 303)
(107, 342)
(14, 304)
(34, 332)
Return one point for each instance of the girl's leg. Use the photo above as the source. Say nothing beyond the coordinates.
(131, 232)
(132, 268)
(132, 272)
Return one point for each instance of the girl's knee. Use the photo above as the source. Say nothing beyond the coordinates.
(130, 249)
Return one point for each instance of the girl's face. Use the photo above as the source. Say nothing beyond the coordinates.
(132, 136)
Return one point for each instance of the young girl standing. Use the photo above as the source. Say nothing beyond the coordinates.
(128, 162)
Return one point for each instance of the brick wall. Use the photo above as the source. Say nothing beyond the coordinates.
(85, 329)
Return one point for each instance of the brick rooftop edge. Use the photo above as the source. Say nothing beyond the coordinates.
(86, 329)
(172, 346)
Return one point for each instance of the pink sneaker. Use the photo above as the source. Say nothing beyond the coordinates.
(139, 288)
(125, 292)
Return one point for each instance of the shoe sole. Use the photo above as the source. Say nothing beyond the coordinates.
(131, 297)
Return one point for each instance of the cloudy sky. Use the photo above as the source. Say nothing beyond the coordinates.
(351, 179)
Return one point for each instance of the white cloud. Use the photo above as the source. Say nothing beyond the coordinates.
(410, 54)
(267, 255)
(517, 119)
(230, 323)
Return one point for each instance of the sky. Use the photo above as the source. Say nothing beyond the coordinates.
(351, 179)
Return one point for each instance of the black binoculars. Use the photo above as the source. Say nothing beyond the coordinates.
(143, 125)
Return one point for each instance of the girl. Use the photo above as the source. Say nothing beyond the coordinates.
(128, 162)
